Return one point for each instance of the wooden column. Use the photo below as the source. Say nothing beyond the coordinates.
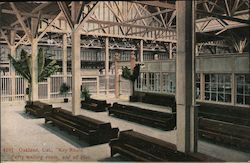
(170, 50)
(202, 86)
(116, 58)
(76, 72)
(233, 88)
(12, 69)
(34, 69)
(141, 50)
(186, 116)
(107, 64)
(64, 58)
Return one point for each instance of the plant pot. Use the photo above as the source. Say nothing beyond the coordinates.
(65, 100)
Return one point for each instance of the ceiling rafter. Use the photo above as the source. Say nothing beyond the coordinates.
(66, 12)
(163, 22)
(5, 38)
(118, 18)
(49, 25)
(158, 4)
(25, 28)
(86, 17)
(224, 17)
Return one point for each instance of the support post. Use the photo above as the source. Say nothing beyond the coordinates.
(202, 86)
(233, 89)
(186, 115)
(64, 58)
(12, 71)
(116, 58)
(76, 72)
(170, 50)
(141, 50)
(107, 64)
(34, 69)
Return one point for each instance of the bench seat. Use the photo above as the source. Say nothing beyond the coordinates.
(38, 109)
(91, 130)
(161, 120)
(225, 133)
(94, 105)
(140, 147)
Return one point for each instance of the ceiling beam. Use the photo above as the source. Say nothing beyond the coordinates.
(86, 18)
(5, 37)
(66, 12)
(140, 18)
(157, 4)
(49, 26)
(125, 24)
(224, 17)
(27, 30)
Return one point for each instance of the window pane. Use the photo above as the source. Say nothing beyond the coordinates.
(240, 99)
(220, 87)
(213, 97)
(207, 78)
(227, 98)
(247, 100)
(247, 89)
(228, 88)
(221, 97)
(239, 89)
(207, 96)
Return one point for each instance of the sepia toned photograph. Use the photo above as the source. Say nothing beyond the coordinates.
(125, 81)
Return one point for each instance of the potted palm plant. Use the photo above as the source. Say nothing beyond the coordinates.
(131, 76)
(46, 67)
(64, 90)
(85, 93)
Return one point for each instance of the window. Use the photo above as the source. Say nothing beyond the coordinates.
(168, 84)
(243, 89)
(218, 87)
(198, 86)
(154, 82)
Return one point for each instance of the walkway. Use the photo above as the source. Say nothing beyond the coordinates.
(24, 138)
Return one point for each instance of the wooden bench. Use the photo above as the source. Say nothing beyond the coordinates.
(156, 99)
(225, 133)
(141, 147)
(38, 109)
(92, 130)
(225, 113)
(94, 105)
(162, 120)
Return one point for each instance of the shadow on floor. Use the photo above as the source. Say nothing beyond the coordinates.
(26, 115)
(72, 139)
(116, 159)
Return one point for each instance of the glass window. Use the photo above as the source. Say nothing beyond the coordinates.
(218, 87)
(243, 89)
(168, 84)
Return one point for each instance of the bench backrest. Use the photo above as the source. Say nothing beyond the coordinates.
(160, 99)
(165, 150)
(226, 128)
(92, 123)
(233, 114)
(99, 102)
(41, 105)
(145, 112)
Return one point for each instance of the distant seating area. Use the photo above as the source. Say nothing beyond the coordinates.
(229, 125)
(232, 114)
(94, 105)
(141, 147)
(92, 130)
(156, 99)
(162, 120)
(38, 109)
